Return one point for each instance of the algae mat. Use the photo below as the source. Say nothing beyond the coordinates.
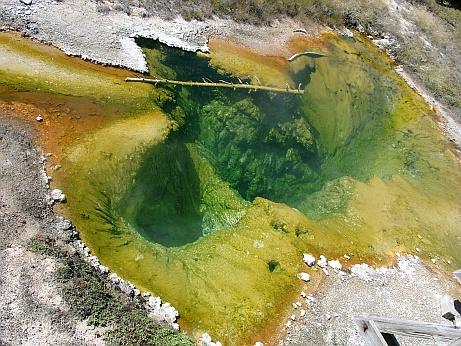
(208, 198)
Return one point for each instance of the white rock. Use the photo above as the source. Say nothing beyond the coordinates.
(298, 304)
(418, 249)
(258, 343)
(26, 2)
(304, 276)
(64, 225)
(293, 317)
(175, 326)
(114, 278)
(363, 271)
(125, 287)
(103, 269)
(348, 33)
(335, 264)
(328, 316)
(39, 118)
(294, 305)
(309, 259)
(207, 341)
(170, 314)
(154, 303)
(302, 313)
(303, 294)
(58, 196)
(322, 262)
(347, 257)
(206, 338)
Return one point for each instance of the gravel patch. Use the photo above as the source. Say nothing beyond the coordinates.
(407, 291)
(32, 310)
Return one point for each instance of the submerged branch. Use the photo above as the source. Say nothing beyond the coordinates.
(309, 54)
(221, 84)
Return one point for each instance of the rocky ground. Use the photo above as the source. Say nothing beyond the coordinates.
(32, 308)
(408, 291)
(77, 28)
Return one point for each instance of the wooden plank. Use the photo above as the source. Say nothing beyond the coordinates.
(221, 84)
(456, 343)
(422, 330)
(370, 332)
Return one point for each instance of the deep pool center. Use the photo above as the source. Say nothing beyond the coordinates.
(208, 197)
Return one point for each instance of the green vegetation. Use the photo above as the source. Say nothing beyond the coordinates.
(97, 302)
(255, 153)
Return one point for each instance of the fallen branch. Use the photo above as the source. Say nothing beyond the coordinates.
(309, 54)
(222, 84)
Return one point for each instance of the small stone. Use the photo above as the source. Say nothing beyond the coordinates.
(335, 264)
(26, 2)
(434, 260)
(103, 269)
(64, 225)
(175, 326)
(418, 250)
(304, 276)
(258, 244)
(258, 343)
(294, 306)
(39, 118)
(302, 313)
(205, 337)
(303, 294)
(348, 33)
(325, 271)
(154, 303)
(125, 287)
(114, 278)
(322, 262)
(328, 316)
(347, 257)
(298, 304)
(309, 259)
(58, 196)
(293, 317)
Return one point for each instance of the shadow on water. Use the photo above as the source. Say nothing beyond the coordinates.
(163, 204)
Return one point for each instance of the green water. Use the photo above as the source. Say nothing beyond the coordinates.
(209, 197)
